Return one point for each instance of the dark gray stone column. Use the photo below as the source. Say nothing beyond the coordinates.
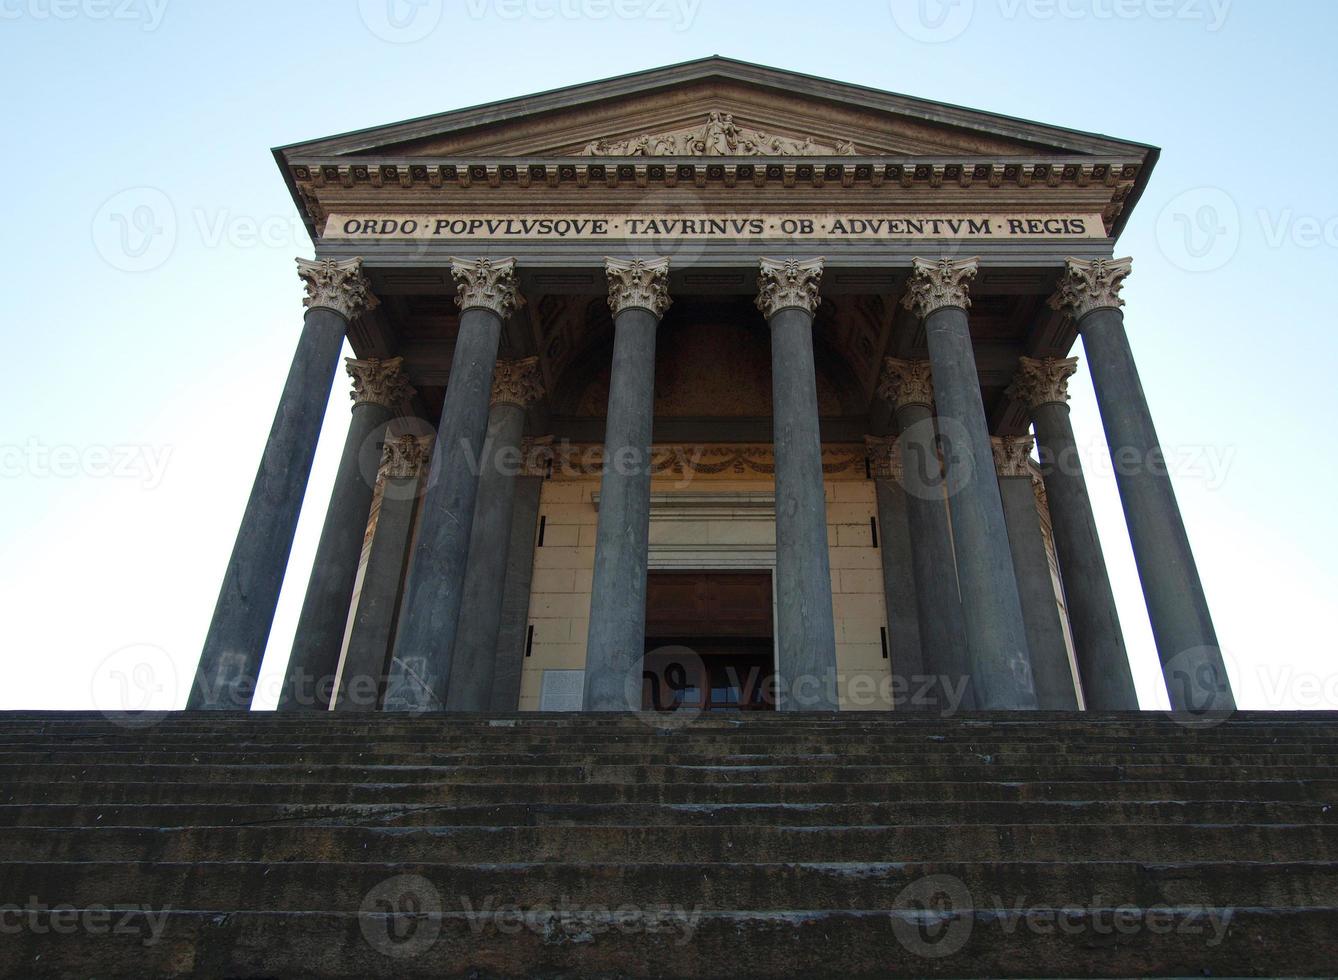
(515, 384)
(362, 675)
(510, 657)
(907, 386)
(1050, 669)
(615, 644)
(991, 609)
(420, 670)
(894, 546)
(1098, 640)
(806, 673)
(1186, 640)
(230, 661)
(379, 389)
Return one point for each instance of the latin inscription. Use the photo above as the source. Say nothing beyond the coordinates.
(586, 227)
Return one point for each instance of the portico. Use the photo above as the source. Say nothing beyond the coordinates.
(651, 323)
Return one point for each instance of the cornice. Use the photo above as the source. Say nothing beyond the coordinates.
(640, 171)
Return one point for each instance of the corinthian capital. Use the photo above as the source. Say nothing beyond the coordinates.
(940, 283)
(638, 283)
(1040, 381)
(404, 457)
(517, 382)
(1012, 455)
(884, 456)
(1087, 286)
(785, 283)
(487, 284)
(905, 383)
(378, 382)
(338, 286)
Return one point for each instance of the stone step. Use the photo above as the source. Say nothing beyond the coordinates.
(665, 942)
(89, 792)
(639, 756)
(739, 843)
(532, 814)
(614, 773)
(343, 886)
(431, 726)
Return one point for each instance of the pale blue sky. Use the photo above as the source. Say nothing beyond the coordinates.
(144, 385)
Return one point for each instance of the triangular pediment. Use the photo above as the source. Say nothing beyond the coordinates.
(714, 107)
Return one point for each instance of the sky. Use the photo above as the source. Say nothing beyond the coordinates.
(151, 306)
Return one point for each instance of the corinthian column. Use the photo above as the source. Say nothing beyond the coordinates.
(1098, 641)
(615, 644)
(1177, 607)
(991, 610)
(364, 669)
(787, 295)
(1050, 670)
(230, 661)
(425, 640)
(379, 389)
(515, 386)
(908, 388)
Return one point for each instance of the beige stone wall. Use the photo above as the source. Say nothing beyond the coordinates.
(564, 564)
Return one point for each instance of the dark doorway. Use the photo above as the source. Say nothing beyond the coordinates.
(709, 643)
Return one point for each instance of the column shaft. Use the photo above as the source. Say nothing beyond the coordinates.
(903, 614)
(362, 676)
(991, 608)
(807, 640)
(1177, 606)
(511, 636)
(1098, 640)
(425, 639)
(230, 662)
(616, 640)
(933, 564)
(476, 643)
(309, 683)
(1051, 671)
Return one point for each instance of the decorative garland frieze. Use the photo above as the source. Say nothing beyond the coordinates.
(576, 461)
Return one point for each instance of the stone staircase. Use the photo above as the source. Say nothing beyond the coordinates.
(234, 845)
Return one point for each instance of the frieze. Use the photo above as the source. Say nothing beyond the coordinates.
(564, 460)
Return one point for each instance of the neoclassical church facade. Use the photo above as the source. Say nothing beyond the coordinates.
(712, 388)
